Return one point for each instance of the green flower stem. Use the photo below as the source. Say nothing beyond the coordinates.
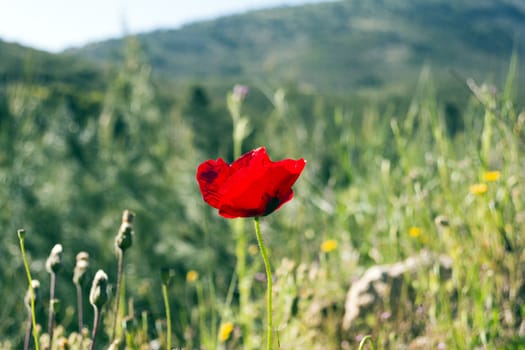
(269, 285)
(96, 321)
(51, 319)
(30, 280)
(28, 331)
(168, 315)
(118, 293)
(80, 311)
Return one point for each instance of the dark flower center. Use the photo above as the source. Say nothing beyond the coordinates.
(272, 204)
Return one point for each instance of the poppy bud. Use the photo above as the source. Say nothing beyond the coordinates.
(124, 238)
(99, 290)
(81, 268)
(35, 284)
(54, 261)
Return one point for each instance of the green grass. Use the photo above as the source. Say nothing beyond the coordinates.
(375, 171)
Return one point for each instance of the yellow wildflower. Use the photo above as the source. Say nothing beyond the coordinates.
(328, 245)
(253, 249)
(478, 189)
(225, 331)
(491, 176)
(414, 232)
(192, 276)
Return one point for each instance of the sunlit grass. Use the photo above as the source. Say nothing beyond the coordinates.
(381, 186)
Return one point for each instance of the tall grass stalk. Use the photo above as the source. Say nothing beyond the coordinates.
(367, 338)
(244, 281)
(213, 313)
(166, 276)
(205, 339)
(165, 295)
(21, 234)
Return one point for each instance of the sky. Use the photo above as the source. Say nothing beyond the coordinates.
(54, 25)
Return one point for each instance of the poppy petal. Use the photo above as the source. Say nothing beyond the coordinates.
(255, 158)
(211, 176)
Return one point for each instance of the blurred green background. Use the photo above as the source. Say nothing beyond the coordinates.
(373, 94)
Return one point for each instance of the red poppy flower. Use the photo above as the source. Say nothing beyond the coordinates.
(252, 185)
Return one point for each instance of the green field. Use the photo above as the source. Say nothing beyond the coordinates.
(412, 151)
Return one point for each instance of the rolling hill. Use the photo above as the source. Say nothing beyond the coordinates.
(21, 63)
(65, 77)
(338, 47)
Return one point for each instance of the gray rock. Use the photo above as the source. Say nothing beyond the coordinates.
(380, 288)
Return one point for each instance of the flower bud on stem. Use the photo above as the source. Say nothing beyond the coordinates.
(98, 297)
(79, 279)
(123, 241)
(53, 265)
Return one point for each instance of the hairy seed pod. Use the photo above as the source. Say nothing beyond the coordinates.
(54, 261)
(99, 290)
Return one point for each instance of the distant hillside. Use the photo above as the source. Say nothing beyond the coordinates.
(378, 45)
(78, 82)
(20, 63)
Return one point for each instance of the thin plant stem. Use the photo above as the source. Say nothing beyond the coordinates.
(120, 254)
(243, 281)
(268, 268)
(80, 308)
(80, 311)
(144, 323)
(51, 318)
(28, 331)
(28, 273)
(229, 294)
(213, 311)
(366, 338)
(96, 320)
(205, 338)
(168, 315)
